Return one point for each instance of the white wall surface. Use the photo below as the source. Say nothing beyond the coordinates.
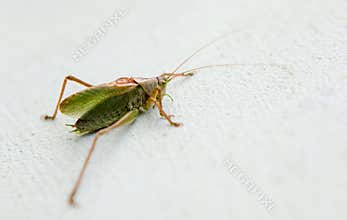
(251, 134)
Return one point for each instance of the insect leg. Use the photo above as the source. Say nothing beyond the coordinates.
(152, 98)
(168, 117)
(127, 118)
(156, 99)
(67, 78)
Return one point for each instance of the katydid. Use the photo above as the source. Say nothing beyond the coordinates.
(101, 108)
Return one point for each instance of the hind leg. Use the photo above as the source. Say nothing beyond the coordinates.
(127, 118)
(67, 78)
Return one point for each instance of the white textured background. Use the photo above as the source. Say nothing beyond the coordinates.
(285, 131)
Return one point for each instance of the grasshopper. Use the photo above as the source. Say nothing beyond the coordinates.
(101, 108)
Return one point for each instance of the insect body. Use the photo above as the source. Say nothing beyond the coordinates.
(100, 106)
(104, 107)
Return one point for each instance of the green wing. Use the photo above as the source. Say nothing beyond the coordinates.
(110, 110)
(81, 102)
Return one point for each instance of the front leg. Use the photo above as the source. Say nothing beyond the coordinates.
(156, 98)
(168, 117)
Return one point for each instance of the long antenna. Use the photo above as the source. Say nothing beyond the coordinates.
(205, 46)
(192, 71)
